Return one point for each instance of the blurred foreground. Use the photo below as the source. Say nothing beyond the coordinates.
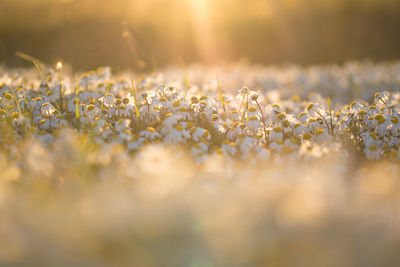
(160, 209)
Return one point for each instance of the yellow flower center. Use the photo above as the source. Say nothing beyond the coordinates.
(253, 118)
(179, 127)
(394, 119)
(307, 136)
(279, 142)
(151, 129)
(281, 116)
(287, 149)
(15, 115)
(276, 106)
(205, 134)
(319, 131)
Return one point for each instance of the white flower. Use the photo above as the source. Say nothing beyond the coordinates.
(136, 144)
(122, 124)
(262, 153)
(242, 92)
(162, 103)
(183, 113)
(234, 115)
(373, 152)
(46, 138)
(355, 107)
(128, 101)
(247, 144)
(123, 112)
(382, 124)
(150, 134)
(146, 97)
(276, 134)
(291, 142)
(60, 122)
(199, 149)
(382, 98)
(276, 145)
(98, 125)
(299, 129)
(237, 129)
(220, 126)
(369, 138)
(106, 133)
(255, 96)
(315, 110)
(311, 151)
(19, 120)
(321, 135)
(395, 124)
(253, 123)
(170, 120)
(125, 136)
(303, 117)
(47, 109)
(107, 100)
(253, 112)
(229, 148)
(176, 135)
(199, 133)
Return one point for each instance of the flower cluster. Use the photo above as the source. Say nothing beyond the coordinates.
(242, 124)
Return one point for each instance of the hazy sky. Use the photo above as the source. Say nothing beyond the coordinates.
(131, 32)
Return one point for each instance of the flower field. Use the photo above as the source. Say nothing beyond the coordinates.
(233, 165)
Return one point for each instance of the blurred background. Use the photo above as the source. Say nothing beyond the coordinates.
(148, 34)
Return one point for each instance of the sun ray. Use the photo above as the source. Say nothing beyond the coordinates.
(203, 30)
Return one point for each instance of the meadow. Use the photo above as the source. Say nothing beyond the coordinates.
(224, 165)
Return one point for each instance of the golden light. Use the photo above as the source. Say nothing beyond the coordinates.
(203, 30)
(59, 65)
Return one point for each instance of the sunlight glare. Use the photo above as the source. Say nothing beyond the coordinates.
(204, 36)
